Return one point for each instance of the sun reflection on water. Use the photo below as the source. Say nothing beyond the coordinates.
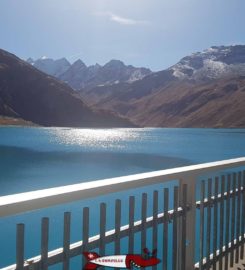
(102, 138)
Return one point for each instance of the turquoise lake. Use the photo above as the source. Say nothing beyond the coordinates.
(37, 158)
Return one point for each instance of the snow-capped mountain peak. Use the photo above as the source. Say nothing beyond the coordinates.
(212, 63)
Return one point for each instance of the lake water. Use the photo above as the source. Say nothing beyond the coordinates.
(35, 158)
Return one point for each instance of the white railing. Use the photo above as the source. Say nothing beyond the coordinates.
(187, 176)
(24, 202)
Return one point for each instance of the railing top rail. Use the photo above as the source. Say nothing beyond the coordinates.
(24, 202)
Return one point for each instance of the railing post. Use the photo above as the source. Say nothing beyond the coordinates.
(190, 182)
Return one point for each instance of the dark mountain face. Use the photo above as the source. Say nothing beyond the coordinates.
(205, 89)
(72, 76)
(79, 76)
(34, 96)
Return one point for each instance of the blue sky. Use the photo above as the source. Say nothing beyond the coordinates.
(151, 33)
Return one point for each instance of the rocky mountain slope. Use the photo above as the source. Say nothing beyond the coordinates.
(78, 75)
(205, 89)
(28, 93)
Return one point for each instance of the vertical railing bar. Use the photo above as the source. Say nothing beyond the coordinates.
(208, 246)
(183, 237)
(215, 222)
(221, 228)
(102, 230)
(20, 246)
(243, 216)
(238, 215)
(118, 217)
(227, 223)
(143, 218)
(85, 232)
(191, 181)
(117, 226)
(131, 224)
(44, 243)
(165, 229)
(233, 220)
(66, 240)
(202, 224)
(175, 225)
(155, 225)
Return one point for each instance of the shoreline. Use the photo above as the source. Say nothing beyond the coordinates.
(12, 121)
(6, 121)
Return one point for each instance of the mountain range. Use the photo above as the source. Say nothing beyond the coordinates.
(79, 76)
(205, 89)
(29, 94)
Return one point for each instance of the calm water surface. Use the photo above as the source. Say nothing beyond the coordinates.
(34, 158)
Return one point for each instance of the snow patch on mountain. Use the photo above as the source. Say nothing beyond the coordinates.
(137, 74)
